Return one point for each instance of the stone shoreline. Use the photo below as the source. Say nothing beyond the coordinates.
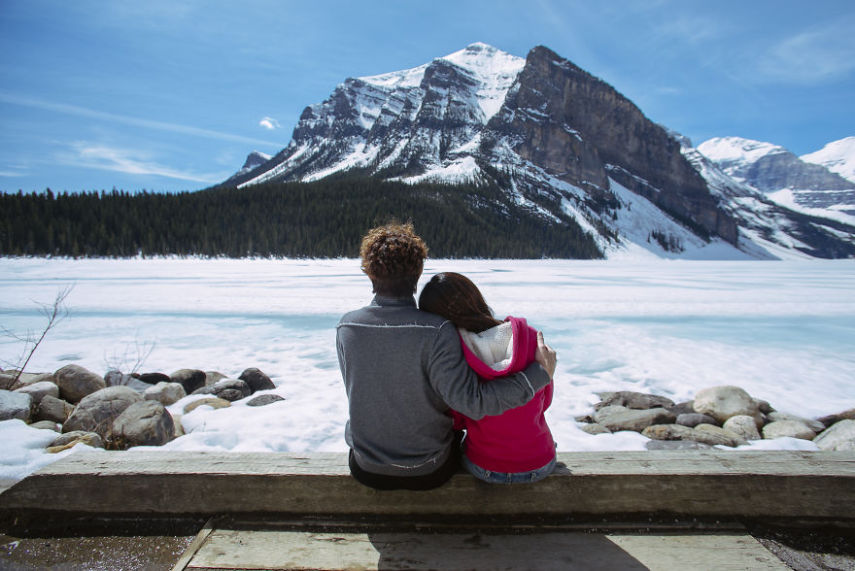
(119, 411)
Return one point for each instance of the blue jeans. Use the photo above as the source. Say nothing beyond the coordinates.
(508, 478)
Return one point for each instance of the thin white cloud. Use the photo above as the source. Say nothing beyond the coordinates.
(818, 54)
(269, 123)
(102, 157)
(67, 109)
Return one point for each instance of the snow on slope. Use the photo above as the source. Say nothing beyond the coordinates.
(735, 153)
(837, 156)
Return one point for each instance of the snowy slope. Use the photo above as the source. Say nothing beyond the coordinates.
(789, 181)
(837, 156)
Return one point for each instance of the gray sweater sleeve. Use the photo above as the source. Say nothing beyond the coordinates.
(460, 388)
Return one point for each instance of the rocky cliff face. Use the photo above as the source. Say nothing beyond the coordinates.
(556, 139)
(582, 130)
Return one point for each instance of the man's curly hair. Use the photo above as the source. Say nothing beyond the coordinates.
(393, 256)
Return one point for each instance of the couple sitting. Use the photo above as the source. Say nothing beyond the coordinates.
(413, 386)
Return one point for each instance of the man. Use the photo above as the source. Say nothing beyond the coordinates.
(404, 368)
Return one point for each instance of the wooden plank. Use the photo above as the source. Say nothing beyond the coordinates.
(265, 549)
(713, 483)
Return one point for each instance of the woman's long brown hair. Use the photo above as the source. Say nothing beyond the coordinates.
(456, 298)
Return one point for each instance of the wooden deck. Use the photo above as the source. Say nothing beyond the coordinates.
(727, 484)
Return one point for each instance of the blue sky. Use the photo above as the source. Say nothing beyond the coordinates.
(172, 95)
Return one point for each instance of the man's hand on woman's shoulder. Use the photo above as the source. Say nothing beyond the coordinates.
(545, 355)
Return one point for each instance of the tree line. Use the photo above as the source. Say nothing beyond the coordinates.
(326, 218)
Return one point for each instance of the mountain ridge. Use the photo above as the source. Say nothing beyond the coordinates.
(557, 139)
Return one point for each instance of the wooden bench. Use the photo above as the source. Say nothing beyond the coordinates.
(814, 486)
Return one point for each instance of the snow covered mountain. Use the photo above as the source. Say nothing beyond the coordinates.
(784, 177)
(558, 141)
(837, 156)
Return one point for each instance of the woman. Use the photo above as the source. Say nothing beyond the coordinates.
(516, 446)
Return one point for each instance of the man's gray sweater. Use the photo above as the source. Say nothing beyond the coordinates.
(403, 369)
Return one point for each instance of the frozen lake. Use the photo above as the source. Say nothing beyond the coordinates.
(784, 331)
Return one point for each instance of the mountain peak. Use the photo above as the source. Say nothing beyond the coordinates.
(727, 149)
(836, 156)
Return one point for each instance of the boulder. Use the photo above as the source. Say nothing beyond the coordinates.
(725, 401)
(211, 378)
(213, 402)
(764, 406)
(15, 405)
(231, 389)
(7, 381)
(46, 425)
(631, 399)
(262, 400)
(69, 439)
(595, 428)
(814, 425)
(145, 423)
(204, 391)
(75, 382)
(165, 393)
(96, 412)
(788, 428)
(54, 410)
(692, 419)
(744, 426)
(39, 390)
(724, 437)
(119, 379)
(835, 418)
(256, 380)
(682, 408)
(679, 432)
(190, 379)
(840, 436)
(27, 379)
(152, 378)
(617, 418)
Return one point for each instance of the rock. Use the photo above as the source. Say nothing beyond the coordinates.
(679, 432)
(39, 390)
(119, 379)
(617, 418)
(630, 399)
(75, 382)
(211, 378)
(791, 428)
(676, 445)
(595, 428)
(153, 378)
(15, 405)
(692, 419)
(725, 401)
(231, 389)
(589, 418)
(96, 412)
(145, 423)
(256, 380)
(69, 439)
(814, 425)
(190, 379)
(764, 406)
(213, 402)
(165, 393)
(54, 409)
(179, 428)
(262, 400)
(204, 391)
(835, 418)
(722, 436)
(682, 408)
(841, 436)
(27, 379)
(6, 381)
(744, 426)
(46, 425)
